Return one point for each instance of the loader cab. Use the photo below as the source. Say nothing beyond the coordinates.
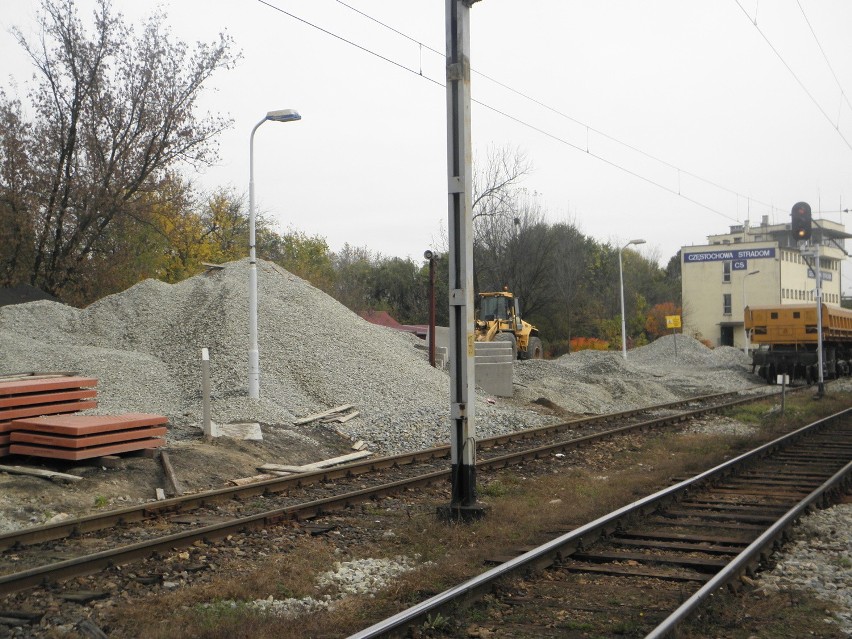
(494, 308)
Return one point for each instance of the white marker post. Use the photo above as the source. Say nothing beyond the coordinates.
(205, 393)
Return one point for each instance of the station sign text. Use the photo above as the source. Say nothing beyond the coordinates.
(724, 256)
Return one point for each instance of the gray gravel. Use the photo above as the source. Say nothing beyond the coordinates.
(144, 345)
(819, 560)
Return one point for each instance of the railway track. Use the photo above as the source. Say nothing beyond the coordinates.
(644, 568)
(86, 545)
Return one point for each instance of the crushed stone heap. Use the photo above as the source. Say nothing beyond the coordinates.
(144, 345)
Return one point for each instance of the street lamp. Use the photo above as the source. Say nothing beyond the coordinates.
(282, 115)
(621, 281)
(745, 332)
(429, 255)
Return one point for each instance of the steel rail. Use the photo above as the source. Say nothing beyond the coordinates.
(748, 556)
(94, 562)
(567, 543)
(99, 521)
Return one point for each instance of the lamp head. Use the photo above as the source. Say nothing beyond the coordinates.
(636, 242)
(284, 115)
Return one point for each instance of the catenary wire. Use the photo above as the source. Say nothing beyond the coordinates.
(795, 77)
(562, 114)
(825, 57)
(522, 122)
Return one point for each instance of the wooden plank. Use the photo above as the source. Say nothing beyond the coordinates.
(334, 461)
(316, 416)
(38, 472)
(341, 419)
(177, 489)
(243, 481)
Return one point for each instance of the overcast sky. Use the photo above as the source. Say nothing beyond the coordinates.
(735, 133)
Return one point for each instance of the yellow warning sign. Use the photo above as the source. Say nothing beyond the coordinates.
(672, 321)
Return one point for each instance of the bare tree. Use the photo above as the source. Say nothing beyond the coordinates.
(113, 110)
(496, 180)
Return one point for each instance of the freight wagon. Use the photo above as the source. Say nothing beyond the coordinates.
(785, 338)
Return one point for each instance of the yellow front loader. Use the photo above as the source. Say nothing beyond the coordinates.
(500, 320)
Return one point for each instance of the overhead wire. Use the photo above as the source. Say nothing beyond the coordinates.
(556, 111)
(795, 77)
(843, 95)
(523, 122)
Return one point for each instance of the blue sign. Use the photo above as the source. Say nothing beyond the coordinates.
(739, 265)
(726, 255)
(825, 276)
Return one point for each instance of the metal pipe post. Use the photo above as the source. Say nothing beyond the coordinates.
(623, 322)
(432, 311)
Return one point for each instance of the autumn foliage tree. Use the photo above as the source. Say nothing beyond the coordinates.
(655, 323)
(113, 110)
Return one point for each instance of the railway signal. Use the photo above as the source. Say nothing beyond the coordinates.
(801, 221)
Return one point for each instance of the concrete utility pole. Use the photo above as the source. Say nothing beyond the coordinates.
(463, 504)
(818, 277)
(813, 252)
(747, 341)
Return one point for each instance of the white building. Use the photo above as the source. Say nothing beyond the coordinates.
(757, 266)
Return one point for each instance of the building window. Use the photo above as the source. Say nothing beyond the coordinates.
(726, 271)
(726, 304)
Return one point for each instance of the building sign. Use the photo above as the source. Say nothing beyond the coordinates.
(825, 276)
(672, 321)
(732, 254)
(739, 265)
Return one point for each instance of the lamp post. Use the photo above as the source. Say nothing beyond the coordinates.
(745, 332)
(283, 115)
(431, 257)
(621, 282)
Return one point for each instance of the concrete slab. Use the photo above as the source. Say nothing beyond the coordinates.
(85, 453)
(86, 441)
(53, 397)
(24, 385)
(78, 425)
(245, 430)
(7, 414)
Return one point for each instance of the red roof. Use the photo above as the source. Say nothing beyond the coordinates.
(381, 318)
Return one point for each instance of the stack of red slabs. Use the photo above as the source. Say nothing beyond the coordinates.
(75, 437)
(29, 397)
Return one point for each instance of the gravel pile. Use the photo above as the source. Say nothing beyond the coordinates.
(144, 345)
(603, 381)
(819, 560)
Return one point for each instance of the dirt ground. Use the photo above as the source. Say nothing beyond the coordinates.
(198, 465)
